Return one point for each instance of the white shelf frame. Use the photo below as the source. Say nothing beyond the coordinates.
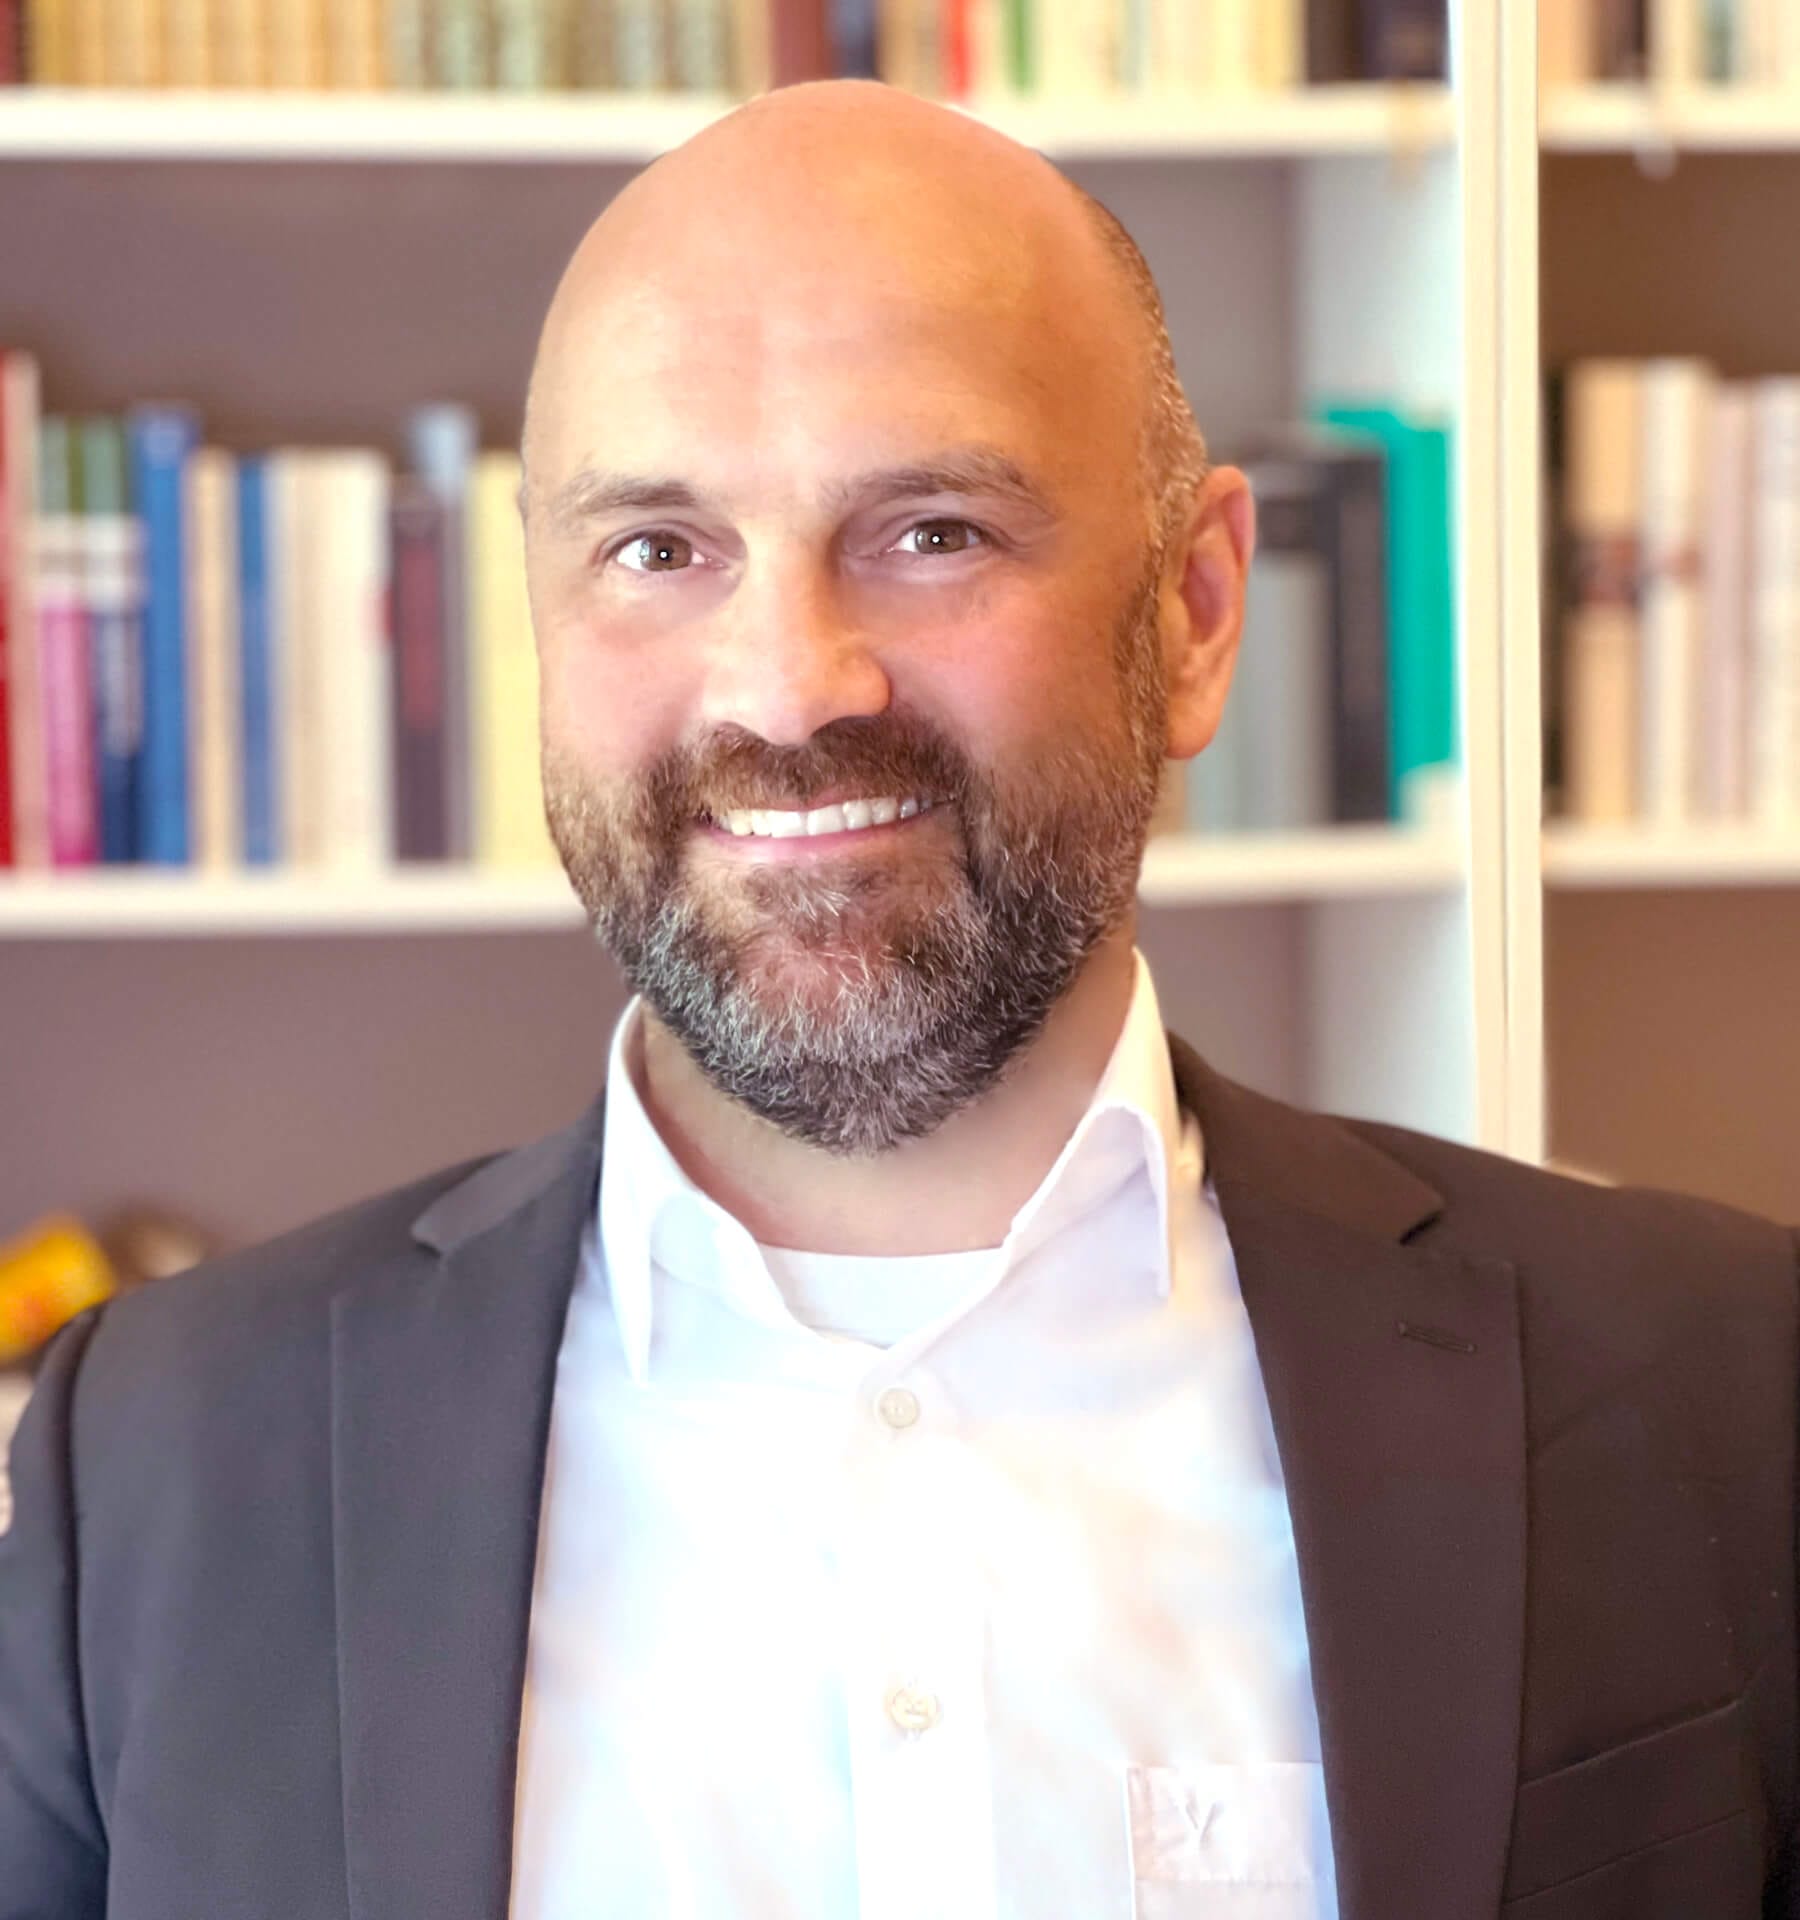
(1629, 117)
(1628, 857)
(79, 123)
(138, 902)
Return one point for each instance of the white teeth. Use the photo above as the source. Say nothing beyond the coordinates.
(851, 816)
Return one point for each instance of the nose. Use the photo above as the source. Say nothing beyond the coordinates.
(792, 658)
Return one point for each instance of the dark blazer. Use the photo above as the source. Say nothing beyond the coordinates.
(263, 1608)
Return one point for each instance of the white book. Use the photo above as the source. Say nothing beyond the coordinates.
(355, 707)
(1724, 586)
(1774, 773)
(1675, 40)
(20, 410)
(1677, 399)
(1078, 47)
(1756, 50)
(1604, 424)
(294, 520)
(1180, 48)
(215, 732)
(1235, 39)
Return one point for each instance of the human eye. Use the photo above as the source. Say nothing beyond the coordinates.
(659, 545)
(935, 529)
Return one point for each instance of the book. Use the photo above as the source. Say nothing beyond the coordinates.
(294, 513)
(1774, 741)
(1422, 717)
(112, 587)
(1285, 752)
(352, 764)
(28, 788)
(1721, 791)
(510, 829)
(259, 727)
(214, 665)
(1405, 40)
(442, 441)
(63, 653)
(1603, 423)
(161, 438)
(416, 528)
(1677, 398)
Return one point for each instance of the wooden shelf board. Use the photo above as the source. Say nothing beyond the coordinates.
(89, 123)
(149, 903)
(1700, 856)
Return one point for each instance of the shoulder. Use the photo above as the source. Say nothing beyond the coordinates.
(1646, 1243)
(256, 1319)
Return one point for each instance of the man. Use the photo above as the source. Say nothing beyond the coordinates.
(923, 1443)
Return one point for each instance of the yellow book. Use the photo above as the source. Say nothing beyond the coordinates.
(215, 747)
(193, 49)
(136, 43)
(88, 48)
(509, 829)
(51, 34)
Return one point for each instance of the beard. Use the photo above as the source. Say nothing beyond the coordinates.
(859, 1002)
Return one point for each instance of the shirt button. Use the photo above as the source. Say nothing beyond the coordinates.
(898, 1406)
(912, 1709)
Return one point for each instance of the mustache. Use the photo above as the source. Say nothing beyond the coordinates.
(877, 754)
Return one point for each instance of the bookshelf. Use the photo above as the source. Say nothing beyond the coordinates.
(387, 251)
(70, 123)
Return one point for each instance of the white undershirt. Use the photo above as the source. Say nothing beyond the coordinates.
(943, 1587)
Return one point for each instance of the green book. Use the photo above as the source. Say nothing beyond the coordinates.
(1421, 597)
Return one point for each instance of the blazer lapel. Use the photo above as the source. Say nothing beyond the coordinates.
(1395, 1388)
(442, 1379)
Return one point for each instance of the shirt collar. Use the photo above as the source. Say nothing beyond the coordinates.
(651, 1212)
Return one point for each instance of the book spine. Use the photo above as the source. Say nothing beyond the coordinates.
(213, 657)
(1566, 44)
(1775, 605)
(1281, 45)
(1357, 546)
(112, 589)
(640, 56)
(1604, 413)
(416, 518)
(11, 561)
(410, 59)
(1724, 666)
(355, 45)
(855, 40)
(193, 45)
(521, 62)
(294, 564)
(296, 43)
(63, 657)
(1677, 395)
(1621, 40)
(42, 42)
(1676, 46)
(1286, 753)
(355, 734)
(510, 827)
(162, 439)
(1331, 43)
(700, 45)
(1232, 58)
(1718, 39)
(257, 675)
(442, 451)
(459, 44)
(1405, 39)
(1180, 49)
(30, 779)
(958, 48)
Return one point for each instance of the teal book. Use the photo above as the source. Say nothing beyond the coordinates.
(1421, 596)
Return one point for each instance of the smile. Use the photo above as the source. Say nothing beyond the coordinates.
(849, 816)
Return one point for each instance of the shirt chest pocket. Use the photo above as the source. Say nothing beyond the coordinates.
(1230, 1840)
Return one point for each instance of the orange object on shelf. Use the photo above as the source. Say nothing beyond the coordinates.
(50, 1273)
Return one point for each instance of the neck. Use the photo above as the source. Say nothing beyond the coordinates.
(918, 1197)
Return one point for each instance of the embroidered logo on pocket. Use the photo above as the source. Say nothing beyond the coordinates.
(1250, 1823)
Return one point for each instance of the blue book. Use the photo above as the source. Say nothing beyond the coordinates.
(161, 438)
(256, 666)
(113, 585)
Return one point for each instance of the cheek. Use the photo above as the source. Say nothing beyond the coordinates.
(609, 711)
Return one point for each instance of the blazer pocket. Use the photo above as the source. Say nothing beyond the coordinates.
(1222, 1838)
(1690, 1778)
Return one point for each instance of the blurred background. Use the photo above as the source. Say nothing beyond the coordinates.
(1501, 837)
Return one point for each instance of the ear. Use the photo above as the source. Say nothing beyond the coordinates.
(1201, 631)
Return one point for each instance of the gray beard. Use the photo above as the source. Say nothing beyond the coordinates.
(901, 1040)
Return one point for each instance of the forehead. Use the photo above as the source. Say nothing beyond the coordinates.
(808, 360)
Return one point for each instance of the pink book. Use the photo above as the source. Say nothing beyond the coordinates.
(62, 634)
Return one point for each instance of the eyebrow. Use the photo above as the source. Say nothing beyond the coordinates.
(595, 492)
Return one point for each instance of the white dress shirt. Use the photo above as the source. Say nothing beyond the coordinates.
(949, 1587)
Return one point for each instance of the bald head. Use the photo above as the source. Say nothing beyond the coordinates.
(812, 197)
